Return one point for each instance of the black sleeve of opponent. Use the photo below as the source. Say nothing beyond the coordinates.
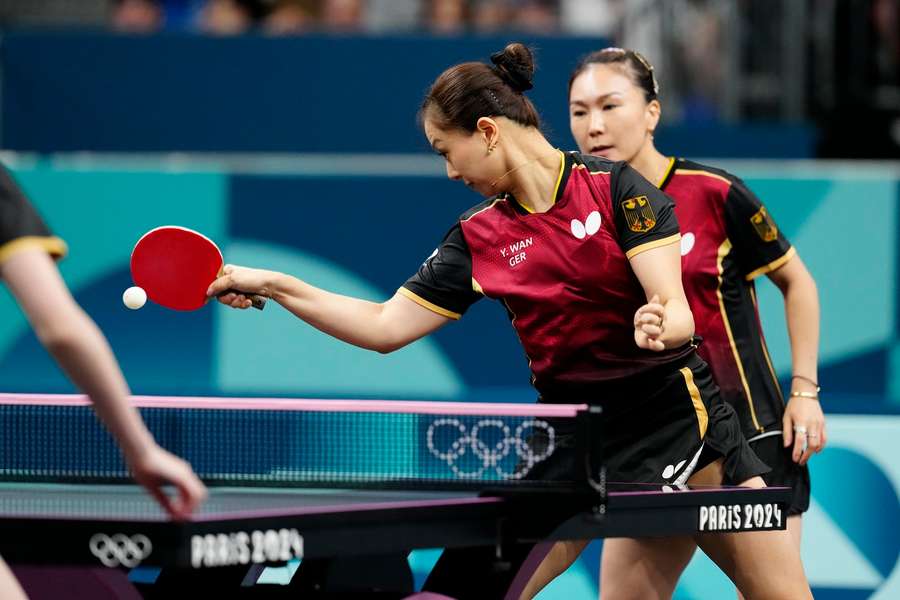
(443, 283)
(645, 216)
(759, 245)
(19, 219)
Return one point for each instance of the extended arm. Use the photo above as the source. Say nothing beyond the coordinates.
(383, 327)
(81, 350)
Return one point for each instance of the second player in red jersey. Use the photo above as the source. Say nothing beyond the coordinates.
(728, 240)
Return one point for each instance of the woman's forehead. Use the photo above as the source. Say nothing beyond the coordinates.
(432, 131)
(599, 80)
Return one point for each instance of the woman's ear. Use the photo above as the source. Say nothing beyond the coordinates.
(489, 131)
(652, 114)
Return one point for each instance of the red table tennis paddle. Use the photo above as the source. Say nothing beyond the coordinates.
(176, 265)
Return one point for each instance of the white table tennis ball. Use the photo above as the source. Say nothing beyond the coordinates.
(134, 297)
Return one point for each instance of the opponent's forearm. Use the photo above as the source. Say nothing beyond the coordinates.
(355, 321)
(83, 353)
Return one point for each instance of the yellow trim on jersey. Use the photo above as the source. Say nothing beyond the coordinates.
(52, 245)
(477, 286)
(772, 266)
(724, 250)
(577, 166)
(651, 245)
(562, 169)
(696, 400)
(666, 174)
(488, 207)
(432, 307)
(704, 173)
(762, 343)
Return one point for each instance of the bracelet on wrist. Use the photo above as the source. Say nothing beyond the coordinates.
(810, 395)
(808, 380)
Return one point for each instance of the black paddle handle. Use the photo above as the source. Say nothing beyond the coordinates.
(259, 302)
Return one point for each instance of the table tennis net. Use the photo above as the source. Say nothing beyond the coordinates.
(290, 447)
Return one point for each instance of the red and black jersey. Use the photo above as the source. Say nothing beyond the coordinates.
(20, 226)
(563, 275)
(729, 239)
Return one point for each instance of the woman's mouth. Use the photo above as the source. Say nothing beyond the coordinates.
(600, 150)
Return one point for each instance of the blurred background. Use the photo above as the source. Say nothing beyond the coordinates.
(285, 130)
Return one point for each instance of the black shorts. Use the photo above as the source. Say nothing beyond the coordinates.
(659, 428)
(785, 472)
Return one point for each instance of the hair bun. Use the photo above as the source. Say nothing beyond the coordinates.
(515, 66)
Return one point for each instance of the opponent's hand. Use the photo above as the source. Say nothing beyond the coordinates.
(803, 426)
(156, 468)
(251, 282)
(649, 325)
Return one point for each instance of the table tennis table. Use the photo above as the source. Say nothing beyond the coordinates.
(56, 521)
(120, 525)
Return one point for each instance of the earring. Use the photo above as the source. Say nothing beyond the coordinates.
(490, 149)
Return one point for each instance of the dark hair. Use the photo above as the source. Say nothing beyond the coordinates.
(466, 92)
(634, 64)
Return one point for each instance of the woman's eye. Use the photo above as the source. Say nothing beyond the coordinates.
(578, 113)
(610, 106)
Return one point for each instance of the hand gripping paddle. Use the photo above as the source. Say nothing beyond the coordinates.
(176, 265)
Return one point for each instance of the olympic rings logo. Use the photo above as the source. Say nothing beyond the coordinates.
(489, 453)
(119, 550)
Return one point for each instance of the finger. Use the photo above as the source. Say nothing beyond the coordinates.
(227, 269)
(654, 309)
(652, 331)
(799, 446)
(787, 430)
(219, 285)
(651, 318)
(164, 500)
(803, 444)
(191, 493)
(638, 314)
(808, 451)
(820, 427)
(656, 345)
(640, 338)
(201, 492)
(815, 440)
(227, 298)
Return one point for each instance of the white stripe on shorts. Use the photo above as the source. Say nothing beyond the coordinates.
(765, 435)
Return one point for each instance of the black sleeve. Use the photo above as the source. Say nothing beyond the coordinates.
(20, 224)
(759, 246)
(443, 283)
(645, 216)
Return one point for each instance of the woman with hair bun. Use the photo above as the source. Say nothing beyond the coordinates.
(584, 254)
